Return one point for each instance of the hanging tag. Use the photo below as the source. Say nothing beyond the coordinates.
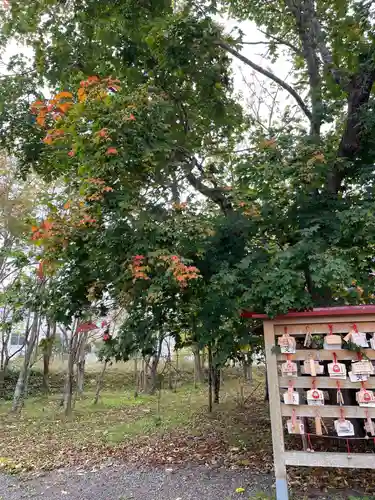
(348, 337)
(308, 337)
(332, 342)
(287, 343)
(344, 427)
(369, 425)
(312, 368)
(358, 338)
(337, 370)
(289, 369)
(357, 378)
(296, 427)
(365, 398)
(318, 425)
(315, 397)
(340, 399)
(291, 398)
(306, 368)
(363, 367)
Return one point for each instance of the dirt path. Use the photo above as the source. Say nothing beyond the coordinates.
(118, 482)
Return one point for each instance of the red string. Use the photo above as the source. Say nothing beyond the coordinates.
(348, 446)
(334, 357)
(330, 327)
(342, 414)
(363, 385)
(359, 356)
(285, 330)
(313, 384)
(355, 328)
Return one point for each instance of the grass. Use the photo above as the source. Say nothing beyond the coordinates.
(173, 429)
(119, 425)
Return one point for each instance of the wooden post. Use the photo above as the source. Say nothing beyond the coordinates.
(276, 417)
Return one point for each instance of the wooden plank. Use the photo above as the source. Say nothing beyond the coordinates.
(325, 355)
(326, 411)
(335, 311)
(276, 416)
(325, 459)
(305, 382)
(320, 328)
(370, 318)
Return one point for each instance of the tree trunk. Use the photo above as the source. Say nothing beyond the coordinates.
(216, 371)
(136, 383)
(154, 367)
(68, 391)
(153, 374)
(81, 361)
(50, 338)
(3, 373)
(197, 363)
(19, 392)
(209, 379)
(99, 383)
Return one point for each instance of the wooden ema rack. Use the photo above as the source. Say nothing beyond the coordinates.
(317, 321)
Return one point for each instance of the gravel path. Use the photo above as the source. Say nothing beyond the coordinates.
(118, 482)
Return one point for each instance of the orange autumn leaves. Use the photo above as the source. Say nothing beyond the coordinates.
(59, 105)
(180, 271)
(49, 111)
(54, 108)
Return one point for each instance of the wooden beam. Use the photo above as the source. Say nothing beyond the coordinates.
(323, 383)
(324, 320)
(321, 328)
(325, 355)
(276, 415)
(325, 459)
(326, 411)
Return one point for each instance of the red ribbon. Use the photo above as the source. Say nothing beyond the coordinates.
(285, 330)
(355, 328)
(342, 417)
(334, 357)
(359, 356)
(348, 446)
(330, 328)
(313, 384)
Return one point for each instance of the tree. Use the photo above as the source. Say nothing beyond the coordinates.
(144, 115)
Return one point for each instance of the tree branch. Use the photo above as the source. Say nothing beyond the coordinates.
(350, 144)
(217, 195)
(281, 41)
(303, 13)
(269, 75)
